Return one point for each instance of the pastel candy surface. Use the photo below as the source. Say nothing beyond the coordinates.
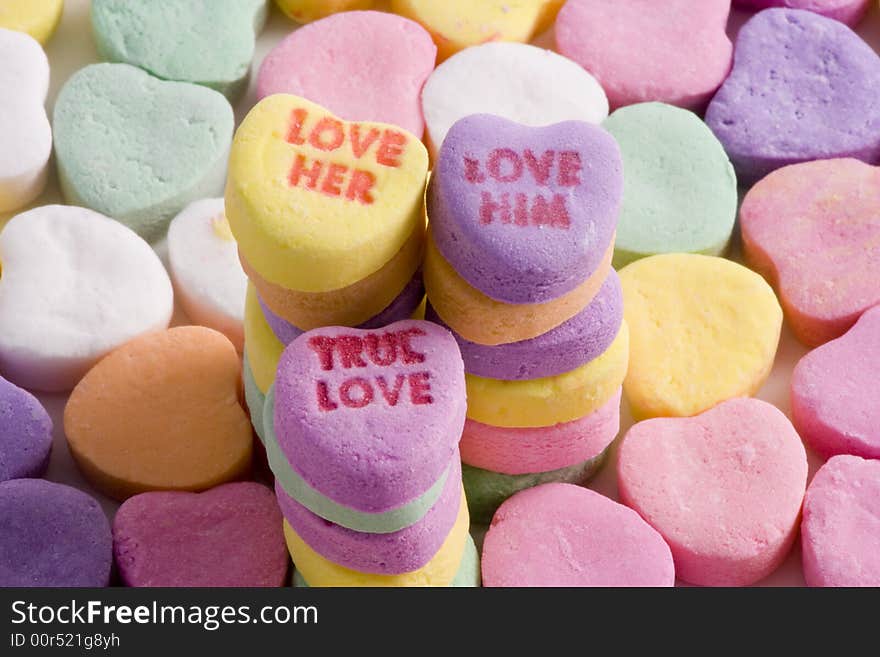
(38, 18)
(702, 330)
(25, 133)
(581, 339)
(25, 434)
(564, 535)
(813, 231)
(683, 52)
(161, 413)
(293, 161)
(52, 535)
(350, 63)
(840, 532)
(835, 399)
(679, 191)
(204, 266)
(137, 148)
(846, 11)
(459, 24)
(261, 347)
(515, 81)
(90, 287)
(208, 42)
(254, 398)
(304, 11)
(525, 214)
(803, 87)
(228, 536)
(370, 419)
(723, 488)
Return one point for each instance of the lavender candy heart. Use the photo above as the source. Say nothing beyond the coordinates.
(52, 535)
(525, 215)
(574, 343)
(803, 87)
(402, 307)
(25, 434)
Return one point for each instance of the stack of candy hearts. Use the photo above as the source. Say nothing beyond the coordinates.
(329, 220)
(518, 266)
(361, 430)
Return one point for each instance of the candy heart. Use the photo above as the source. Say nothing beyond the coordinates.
(90, 287)
(209, 42)
(835, 400)
(317, 203)
(204, 266)
(667, 208)
(25, 134)
(39, 18)
(139, 149)
(813, 231)
(351, 64)
(459, 24)
(228, 536)
(304, 11)
(25, 434)
(803, 87)
(702, 330)
(516, 81)
(846, 11)
(724, 489)
(683, 52)
(52, 535)
(525, 214)
(371, 419)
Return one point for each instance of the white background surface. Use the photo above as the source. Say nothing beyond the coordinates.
(72, 47)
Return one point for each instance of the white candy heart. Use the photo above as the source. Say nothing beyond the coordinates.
(75, 285)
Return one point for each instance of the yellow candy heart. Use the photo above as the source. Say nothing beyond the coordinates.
(39, 18)
(305, 11)
(317, 203)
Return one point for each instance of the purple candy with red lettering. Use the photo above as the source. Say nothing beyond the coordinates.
(25, 434)
(803, 87)
(394, 553)
(371, 418)
(52, 535)
(570, 345)
(523, 214)
(403, 306)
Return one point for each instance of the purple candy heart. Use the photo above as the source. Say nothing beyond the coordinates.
(803, 87)
(847, 11)
(524, 214)
(571, 344)
(52, 535)
(25, 434)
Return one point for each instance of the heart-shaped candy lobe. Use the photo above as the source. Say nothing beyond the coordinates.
(39, 18)
(139, 149)
(835, 399)
(52, 535)
(516, 81)
(683, 52)
(317, 203)
(25, 134)
(459, 24)
(350, 63)
(840, 533)
(813, 231)
(724, 489)
(564, 535)
(25, 434)
(371, 419)
(161, 413)
(803, 87)
(702, 330)
(666, 207)
(91, 286)
(228, 536)
(846, 11)
(208, 277)
(525, 214)
(305, 11)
